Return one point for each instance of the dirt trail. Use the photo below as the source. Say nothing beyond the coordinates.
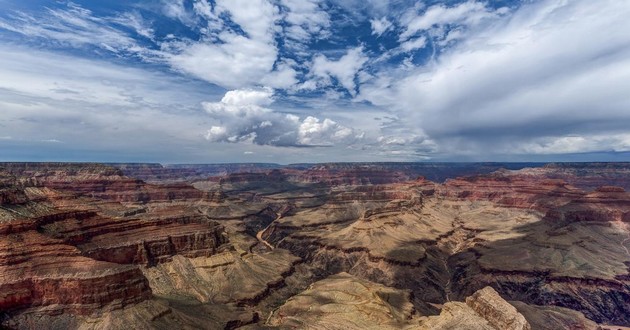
(447, 286)
(259, 234)
(623, 243)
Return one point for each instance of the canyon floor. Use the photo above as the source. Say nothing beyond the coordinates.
(325, 246)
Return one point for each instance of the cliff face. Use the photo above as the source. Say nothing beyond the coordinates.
(88, 246)
(62, 252)
(512, 190)
(38, 271)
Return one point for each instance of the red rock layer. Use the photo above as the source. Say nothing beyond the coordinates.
(60, 252)
(512, 190)
(143, 241)
(36, 270)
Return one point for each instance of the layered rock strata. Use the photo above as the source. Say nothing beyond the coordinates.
(86, 246)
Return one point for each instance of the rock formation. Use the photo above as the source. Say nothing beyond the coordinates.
(343, 301)
(498, 312)
(352, 246)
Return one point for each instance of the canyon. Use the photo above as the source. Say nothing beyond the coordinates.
(318, 246)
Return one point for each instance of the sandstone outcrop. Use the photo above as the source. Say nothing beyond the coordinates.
(498, 312)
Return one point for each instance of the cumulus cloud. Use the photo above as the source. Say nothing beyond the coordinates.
(242, 116)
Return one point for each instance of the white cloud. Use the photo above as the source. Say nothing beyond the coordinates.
(136, 22)
(414, 44)
(576, 144)
(469, 13)
(256, 17)
(74, 26)
(380, 26)
(223, 55)
(248, 97)
(238, 60)
(344, 69)
(241, 116)
(283, 77)
(314, 132)
(551, 70)
(175, 9)
(306, 19)
(94, 107)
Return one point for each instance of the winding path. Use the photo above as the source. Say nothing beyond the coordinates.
(259, 234)
(626, 228)
(447, 286)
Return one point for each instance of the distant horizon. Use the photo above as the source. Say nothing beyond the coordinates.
(316, 163)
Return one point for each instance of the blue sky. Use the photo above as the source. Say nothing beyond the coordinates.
(314, 80)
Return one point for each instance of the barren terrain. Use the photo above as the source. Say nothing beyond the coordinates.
(329, 246)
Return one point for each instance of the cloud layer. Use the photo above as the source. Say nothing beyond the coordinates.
(407, 80)
(550, 78)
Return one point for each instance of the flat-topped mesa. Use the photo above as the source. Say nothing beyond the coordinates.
(512, 190)
(9, 192)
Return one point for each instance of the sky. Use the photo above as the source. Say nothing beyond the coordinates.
(293, 81)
